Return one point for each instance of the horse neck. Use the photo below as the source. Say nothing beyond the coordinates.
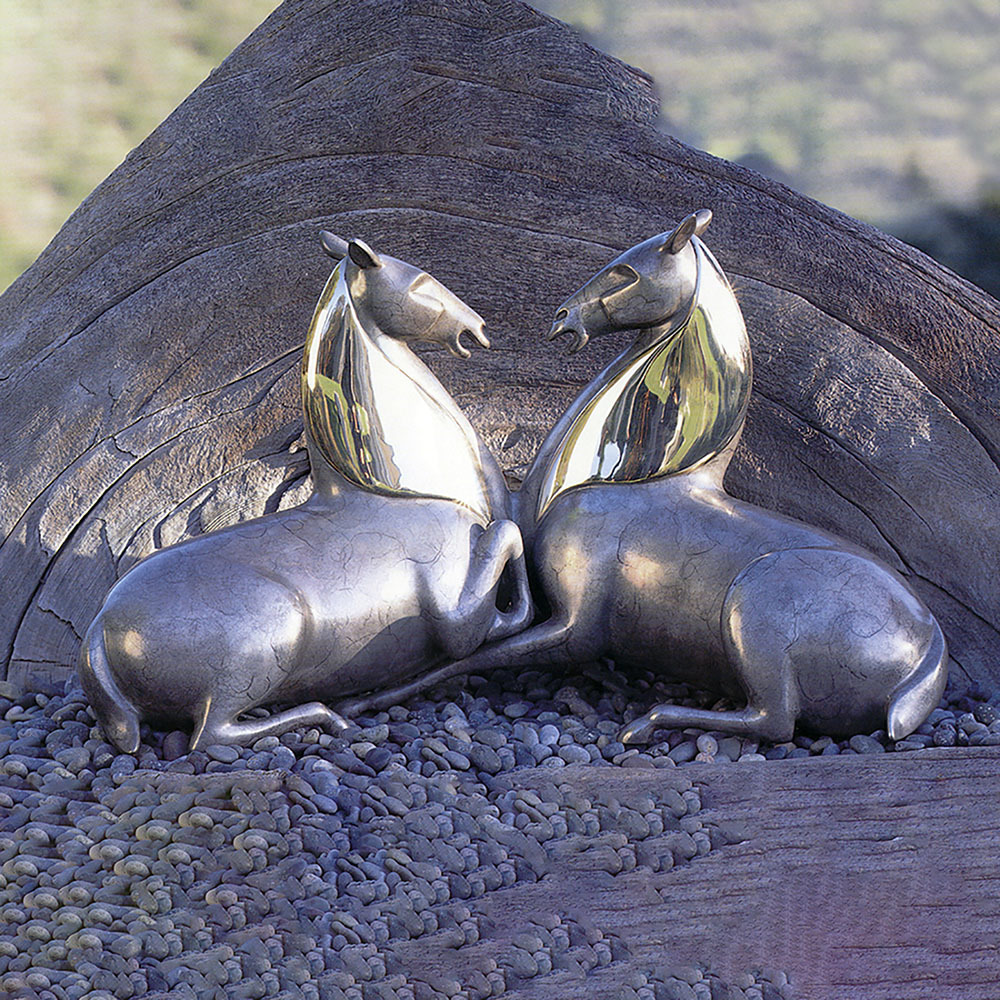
(377, 418)
(527, 497)
(673, 402)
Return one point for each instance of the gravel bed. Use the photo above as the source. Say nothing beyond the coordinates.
(310, 866)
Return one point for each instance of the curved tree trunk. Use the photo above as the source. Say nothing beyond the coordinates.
(149, 358)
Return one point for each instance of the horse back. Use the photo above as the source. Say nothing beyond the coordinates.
(297, 603)
(644, 569)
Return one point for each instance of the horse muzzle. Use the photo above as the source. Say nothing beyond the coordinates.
(571, 323)
(454, 342)
(452, 325)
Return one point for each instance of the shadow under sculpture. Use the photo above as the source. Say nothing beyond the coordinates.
(392, 565)
(643, 557)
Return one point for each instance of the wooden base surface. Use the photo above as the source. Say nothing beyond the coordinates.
(859, 877)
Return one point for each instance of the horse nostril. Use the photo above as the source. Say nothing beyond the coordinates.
(562, 314)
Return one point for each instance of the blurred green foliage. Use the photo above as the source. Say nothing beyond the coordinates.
(82, 82)
(842, 96)
(886, 109)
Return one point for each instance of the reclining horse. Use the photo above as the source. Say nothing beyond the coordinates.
(392, 565)
(643, 558)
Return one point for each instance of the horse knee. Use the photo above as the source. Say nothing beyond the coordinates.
(500, 541)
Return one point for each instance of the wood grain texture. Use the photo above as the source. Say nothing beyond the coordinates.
(149, 358)
(856, 877)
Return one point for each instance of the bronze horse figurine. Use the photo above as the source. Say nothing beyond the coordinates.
(642, 557)
(393, 564)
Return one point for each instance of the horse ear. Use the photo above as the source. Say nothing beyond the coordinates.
(681, 236)
(704, 217)
(363, 255)
(333, 245)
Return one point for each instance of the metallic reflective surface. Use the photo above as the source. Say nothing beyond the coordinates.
(664, 570)
(671, 402)
(384, 571)
(373, 412)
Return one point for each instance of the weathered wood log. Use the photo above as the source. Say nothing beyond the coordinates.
(855, 877)
(149, 358)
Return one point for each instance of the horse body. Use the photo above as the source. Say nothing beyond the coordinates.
(300, 604)
(366, 583)
(670, 576)
(644, 558)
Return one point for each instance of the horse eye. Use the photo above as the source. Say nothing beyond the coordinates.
(624, 274)
(622, 277)
(423, 289)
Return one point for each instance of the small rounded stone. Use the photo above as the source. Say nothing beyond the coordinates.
(516, 709)
(945, 736)
(986, 713)
(683, 752)
(866, 745)
(548, 734)
(574, 754)
(223, 752)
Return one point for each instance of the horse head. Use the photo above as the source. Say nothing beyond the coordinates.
(641, 289)
(402, 301)
(375, 414)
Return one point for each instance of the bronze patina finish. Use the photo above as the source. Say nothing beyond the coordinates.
(393, 564)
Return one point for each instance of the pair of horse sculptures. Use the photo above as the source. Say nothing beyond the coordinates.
(410, 562)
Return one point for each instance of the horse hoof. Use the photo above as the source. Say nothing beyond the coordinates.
(335, 723)
(635, 732)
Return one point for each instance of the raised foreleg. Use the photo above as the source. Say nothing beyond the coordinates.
(574, 633)
(522, 607)
(474, 618)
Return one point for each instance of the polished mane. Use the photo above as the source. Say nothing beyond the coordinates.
(377, 416)
(667, 404)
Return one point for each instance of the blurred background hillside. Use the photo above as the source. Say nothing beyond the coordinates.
(886, 109)
(82, 82)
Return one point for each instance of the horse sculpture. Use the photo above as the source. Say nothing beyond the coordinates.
(394, 563)
(642, 557)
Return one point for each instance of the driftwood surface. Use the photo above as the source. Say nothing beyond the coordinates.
(149, 358)
(888, 894)
(149, 383)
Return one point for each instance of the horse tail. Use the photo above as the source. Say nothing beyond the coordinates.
(115, 713)
(917, 695)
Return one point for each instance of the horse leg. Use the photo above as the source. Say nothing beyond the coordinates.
(767, 716)
(756, 637)
(746, 722)
(215, 725)
(549, 642)
(474, 618)
(561, 639)
(522, 607)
